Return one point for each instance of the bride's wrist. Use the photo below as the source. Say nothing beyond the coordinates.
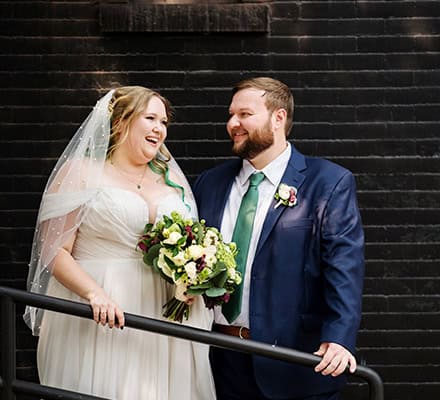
(91, 294)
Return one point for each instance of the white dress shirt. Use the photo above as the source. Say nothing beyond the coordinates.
(266, 191)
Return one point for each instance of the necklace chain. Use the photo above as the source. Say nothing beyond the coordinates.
(126, 174)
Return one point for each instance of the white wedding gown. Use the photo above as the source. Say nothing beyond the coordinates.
(78, 354)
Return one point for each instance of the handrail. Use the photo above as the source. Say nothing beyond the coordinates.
(190, 333)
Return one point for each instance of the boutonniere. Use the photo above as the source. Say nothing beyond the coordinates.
(286, 195)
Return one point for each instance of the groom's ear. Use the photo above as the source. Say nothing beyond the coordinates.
(279, 118)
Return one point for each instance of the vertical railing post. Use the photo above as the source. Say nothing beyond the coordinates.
(8, 347)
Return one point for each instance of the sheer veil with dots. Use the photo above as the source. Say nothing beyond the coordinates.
(72, 184)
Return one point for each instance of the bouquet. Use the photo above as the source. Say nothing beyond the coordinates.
(194, 258)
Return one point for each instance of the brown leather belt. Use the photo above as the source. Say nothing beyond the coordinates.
(239, 331)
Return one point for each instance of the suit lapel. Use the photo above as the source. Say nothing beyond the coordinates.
(292, 177)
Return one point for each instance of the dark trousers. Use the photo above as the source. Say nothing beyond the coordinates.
(232, 383)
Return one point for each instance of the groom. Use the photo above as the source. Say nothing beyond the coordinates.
(296, 223)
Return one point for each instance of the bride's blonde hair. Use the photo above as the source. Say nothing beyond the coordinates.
(127, 103)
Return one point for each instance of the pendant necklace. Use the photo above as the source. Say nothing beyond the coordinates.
(127, 175)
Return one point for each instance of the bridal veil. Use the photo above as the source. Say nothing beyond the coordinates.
(72, 184)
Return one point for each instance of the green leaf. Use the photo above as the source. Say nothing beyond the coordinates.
(168, 221)
(152, 253)
(170, 262)
(215, 292)
(160, 272)
(205, 285)
(221, 279)
(219, 267)
(147, 260)
(198, 231)
(148, 228)
(195, 292)
(182, 241)
(177, 274)
(166, 277)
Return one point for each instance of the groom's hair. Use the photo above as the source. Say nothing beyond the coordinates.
(277, 94)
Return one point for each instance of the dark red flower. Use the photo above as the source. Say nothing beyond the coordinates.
(201, 264)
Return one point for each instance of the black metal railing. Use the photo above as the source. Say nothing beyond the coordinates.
(10, 385)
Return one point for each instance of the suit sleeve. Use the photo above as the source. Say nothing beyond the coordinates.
(342, 259)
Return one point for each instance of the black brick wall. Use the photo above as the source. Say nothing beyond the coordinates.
(366, 79)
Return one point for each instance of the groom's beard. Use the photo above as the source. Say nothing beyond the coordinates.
(258, 140)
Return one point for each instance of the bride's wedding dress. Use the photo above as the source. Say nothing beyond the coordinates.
(78, 354)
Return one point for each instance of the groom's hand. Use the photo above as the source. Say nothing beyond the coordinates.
(335, 359)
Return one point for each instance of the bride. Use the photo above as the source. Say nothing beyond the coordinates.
(114, 177)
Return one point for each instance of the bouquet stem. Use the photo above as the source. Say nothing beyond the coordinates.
(176, 310)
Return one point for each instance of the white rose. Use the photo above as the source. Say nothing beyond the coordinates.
(195, 251)
(210, 250)
(191, 271)
(210, 258)
(162, 264)
(179, 259)
(284, 192)
(210, 239)
(173, 238)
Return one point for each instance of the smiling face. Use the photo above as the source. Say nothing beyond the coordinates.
(148, 131)
(258, 134)
(139, 118)
(260, 119)
(140, 138)
(250, 124)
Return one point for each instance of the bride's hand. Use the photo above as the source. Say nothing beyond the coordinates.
(105, 310)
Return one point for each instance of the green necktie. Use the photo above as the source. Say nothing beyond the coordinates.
(242, 237)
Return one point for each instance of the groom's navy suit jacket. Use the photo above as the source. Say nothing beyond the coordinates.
(307, 274)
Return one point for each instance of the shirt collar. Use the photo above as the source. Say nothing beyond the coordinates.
(273, 171)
